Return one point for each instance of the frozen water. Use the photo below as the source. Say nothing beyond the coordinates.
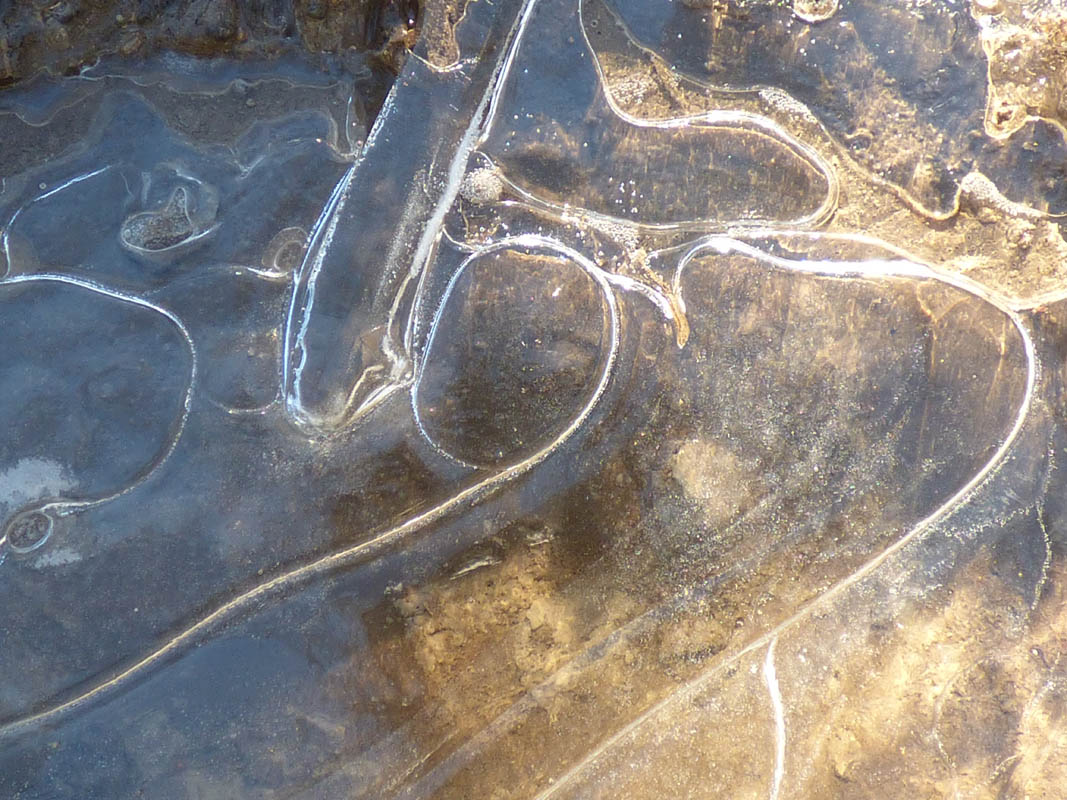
(629, 413)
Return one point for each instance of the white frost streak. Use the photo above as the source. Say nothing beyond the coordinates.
(770, 677)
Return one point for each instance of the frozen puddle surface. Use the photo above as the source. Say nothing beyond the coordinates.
(628, 413)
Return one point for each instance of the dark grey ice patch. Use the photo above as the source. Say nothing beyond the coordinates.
(92, 381)
(234, 315)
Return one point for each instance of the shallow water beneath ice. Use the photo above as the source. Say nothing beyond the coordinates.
(661, 399)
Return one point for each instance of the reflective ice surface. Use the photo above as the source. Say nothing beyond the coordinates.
(652, 403)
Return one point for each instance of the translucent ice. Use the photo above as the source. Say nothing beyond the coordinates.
(634, 413)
